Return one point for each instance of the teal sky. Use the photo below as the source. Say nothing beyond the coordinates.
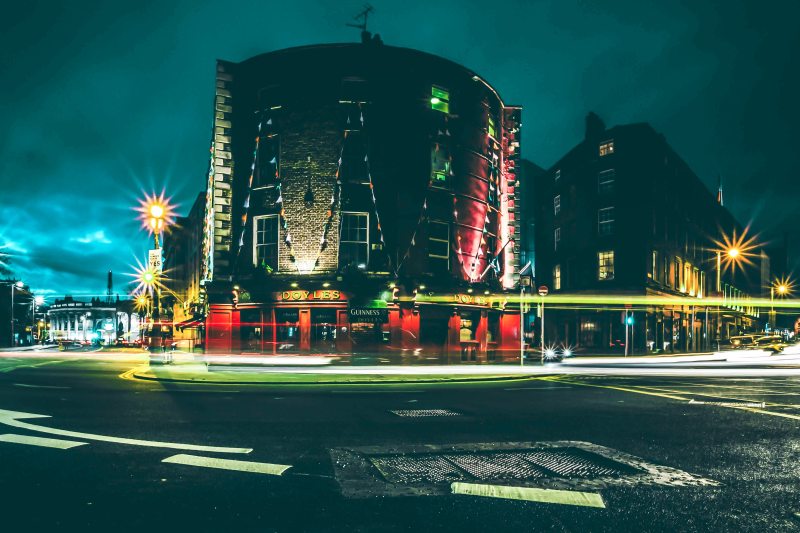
(103, 101)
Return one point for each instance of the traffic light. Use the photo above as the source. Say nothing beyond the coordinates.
(629, 320)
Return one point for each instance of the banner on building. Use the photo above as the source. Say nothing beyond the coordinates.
(155, 261)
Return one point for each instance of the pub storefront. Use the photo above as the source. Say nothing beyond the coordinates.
(443, 329)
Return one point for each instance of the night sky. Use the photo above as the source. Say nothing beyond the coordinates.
(103, 101)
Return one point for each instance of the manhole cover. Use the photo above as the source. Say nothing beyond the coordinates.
(430, 469)
(419, 413)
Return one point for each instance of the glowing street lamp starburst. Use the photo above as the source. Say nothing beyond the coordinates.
(783, 287)
(737, 251)
(156, 212)
(145, 278)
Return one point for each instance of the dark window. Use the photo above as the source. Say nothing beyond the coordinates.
(605, 181)
(605, 221)
(438, 240)
(267, 160)
(265, 242)
(441, 169)
(354, 240)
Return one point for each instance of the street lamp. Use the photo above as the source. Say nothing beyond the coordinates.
(782, 287)
(523, 280)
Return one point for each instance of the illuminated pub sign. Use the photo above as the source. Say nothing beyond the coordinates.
(470, 299)
(324, 295)
(368, 315)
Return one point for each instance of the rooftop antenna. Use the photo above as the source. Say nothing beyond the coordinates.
(363, 15)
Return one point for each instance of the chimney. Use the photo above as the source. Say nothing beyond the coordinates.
(594, 126)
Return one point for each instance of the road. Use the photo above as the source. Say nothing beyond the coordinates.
(688, 453)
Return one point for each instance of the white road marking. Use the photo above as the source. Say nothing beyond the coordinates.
(228, 464)
(193, 390)
(530, 494)
(539, 388)
(40, 441)
(376, 391)
(11, 418)
(39, 386)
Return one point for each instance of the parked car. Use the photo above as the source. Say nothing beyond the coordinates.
(743, 341)
(773, 343)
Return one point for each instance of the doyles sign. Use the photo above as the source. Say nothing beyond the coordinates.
(300, 296)
(368, 315)
(154, 260)
(470, 299)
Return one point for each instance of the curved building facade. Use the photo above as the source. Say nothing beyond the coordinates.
(351, 177)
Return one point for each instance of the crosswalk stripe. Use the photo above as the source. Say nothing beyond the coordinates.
(40, 441)
(563, 497)
(228, 464)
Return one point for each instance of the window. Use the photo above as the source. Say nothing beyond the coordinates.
(557, 175)
(605, 265)
(438, 240)
(605, 221)
(440, 99)
(265, 242)
(492, 128)
(556, 238)
(557, 277)
(440, 167)
(354, 240)
(607, 147)
(557, 204)
(605, 181)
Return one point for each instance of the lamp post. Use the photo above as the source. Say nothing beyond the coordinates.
(732, 254)
(523, 281)
(781, 288)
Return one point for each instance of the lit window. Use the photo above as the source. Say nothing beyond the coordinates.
(606, 148)
(440, 99)
(605, 221)
(265, 244)
(557, 204)
(556, 238)
(605, 265)
(605, 181)
(557, 175)
(440, 167)
(438, 240)
(557, 277)
(492, 128)
(354, 240)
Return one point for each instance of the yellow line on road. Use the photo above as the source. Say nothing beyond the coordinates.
(679, 398)
(530, 494)
(130, 375)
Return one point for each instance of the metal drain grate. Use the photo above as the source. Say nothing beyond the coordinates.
(407, 470)
(497, 466)
(429, 469)
(419, 413)
(571, 463)
(488, 466)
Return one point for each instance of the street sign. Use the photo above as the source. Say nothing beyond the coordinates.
(154, 260)
(543, 290)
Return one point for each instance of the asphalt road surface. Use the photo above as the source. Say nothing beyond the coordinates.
(586, 453)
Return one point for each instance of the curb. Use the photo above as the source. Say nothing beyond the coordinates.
(337, 383)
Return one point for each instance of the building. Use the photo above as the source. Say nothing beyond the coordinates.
(360, 197)
(183, 246)
(621, 213)
(17, 309)
(98, 320)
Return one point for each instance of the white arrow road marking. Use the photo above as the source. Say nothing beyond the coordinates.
(11, 418)
(564, 497)
(40, 441)
(228, 464)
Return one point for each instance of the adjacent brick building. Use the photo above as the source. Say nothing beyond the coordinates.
(621, 213)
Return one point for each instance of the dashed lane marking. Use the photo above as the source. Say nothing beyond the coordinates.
(228, 464)
(530, 494)
(40, 441)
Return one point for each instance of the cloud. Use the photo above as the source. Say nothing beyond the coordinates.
(98, 236)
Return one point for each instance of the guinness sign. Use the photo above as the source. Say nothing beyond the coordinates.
(368, 315)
